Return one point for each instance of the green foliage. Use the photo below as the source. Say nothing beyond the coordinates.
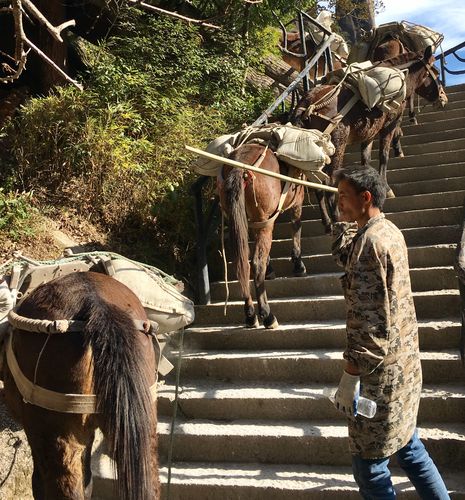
(115, 152)
(16, 215)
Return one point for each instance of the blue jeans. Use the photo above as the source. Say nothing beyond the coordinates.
(374, 479)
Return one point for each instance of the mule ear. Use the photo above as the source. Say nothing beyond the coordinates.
(428, 53)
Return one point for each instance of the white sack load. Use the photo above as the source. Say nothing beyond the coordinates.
(421, 37)
(382, 87)
(221, 146)
(307, 150)
(162, 302)
(377, 85)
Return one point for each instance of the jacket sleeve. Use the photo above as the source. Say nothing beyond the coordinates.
(342, 233)
(368, 309)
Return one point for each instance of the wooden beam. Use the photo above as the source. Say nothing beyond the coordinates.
(238, 164)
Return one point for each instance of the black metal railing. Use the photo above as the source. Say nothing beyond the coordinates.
(204, 221)
(442, 59)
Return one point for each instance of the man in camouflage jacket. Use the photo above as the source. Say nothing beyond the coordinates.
(382, 354)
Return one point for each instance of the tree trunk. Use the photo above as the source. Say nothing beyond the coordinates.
(352, 24)
(280, 71)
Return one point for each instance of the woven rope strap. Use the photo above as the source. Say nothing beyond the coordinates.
(52, 400)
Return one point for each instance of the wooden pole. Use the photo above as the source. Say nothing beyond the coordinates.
(238, 164)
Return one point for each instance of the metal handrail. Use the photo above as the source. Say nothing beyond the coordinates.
(442, 59)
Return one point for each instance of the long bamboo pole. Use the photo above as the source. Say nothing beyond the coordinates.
(238, 164)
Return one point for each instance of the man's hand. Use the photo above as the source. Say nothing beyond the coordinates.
(347, 394)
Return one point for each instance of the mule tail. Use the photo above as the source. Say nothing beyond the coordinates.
(124, 400)
(238, 227)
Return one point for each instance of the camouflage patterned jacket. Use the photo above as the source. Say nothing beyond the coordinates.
(382, 333)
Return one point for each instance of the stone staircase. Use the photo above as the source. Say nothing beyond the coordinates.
(252, 420)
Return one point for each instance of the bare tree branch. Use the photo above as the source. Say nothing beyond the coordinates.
(55, 31)
(152, 8)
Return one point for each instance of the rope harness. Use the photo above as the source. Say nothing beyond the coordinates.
(311, 109)
(46, 398)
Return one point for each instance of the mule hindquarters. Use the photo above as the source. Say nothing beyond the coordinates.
(108, 355)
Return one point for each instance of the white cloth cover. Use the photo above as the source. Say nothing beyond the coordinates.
(162, 302)
(378, 85)
(308, 150)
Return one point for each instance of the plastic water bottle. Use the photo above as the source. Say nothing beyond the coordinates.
(365, 407)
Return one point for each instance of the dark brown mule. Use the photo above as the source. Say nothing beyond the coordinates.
(109, 358)
(251, 197)
(361, 125)
(393, 47)
(298, 63)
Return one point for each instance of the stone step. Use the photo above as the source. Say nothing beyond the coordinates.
(212, 481)
(454, 110)
(304, 366)
(430, 304)
(433, 335)
(404, 203)
(315, 245)
(286, 442)
(435, 126)
(425, 256)
(259, 481)
(422, 279)
(407, 219)
(417, 149)
(429, 186)
(412, 139)
(417, 160)
(209, 400)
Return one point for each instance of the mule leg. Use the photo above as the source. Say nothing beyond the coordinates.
(270, 274)
(37, 480)
(263, 238)
(325, 218)
(340, 137)
(296, 254)
(411, 110)
(396, 145)
(366, 153)
(59, 455)
(251, 320)
(385, 139)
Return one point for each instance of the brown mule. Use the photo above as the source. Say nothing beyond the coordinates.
(111, 358)
(251, 197)
(298, 63)
(361, 125)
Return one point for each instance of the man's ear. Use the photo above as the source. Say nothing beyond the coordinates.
(367, 197)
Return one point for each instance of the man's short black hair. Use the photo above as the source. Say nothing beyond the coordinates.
(364, 179)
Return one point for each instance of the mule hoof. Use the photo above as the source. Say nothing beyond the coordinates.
(390, 194)
(271, 276)
(399, 155)
(270, 323)
(413, 121)
(252, 322)
(300, 274)
(273, 325)
(328, 228)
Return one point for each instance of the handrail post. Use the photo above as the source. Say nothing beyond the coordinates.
(203, 280)
(303, 46)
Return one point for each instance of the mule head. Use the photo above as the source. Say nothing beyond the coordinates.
(431, 88)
